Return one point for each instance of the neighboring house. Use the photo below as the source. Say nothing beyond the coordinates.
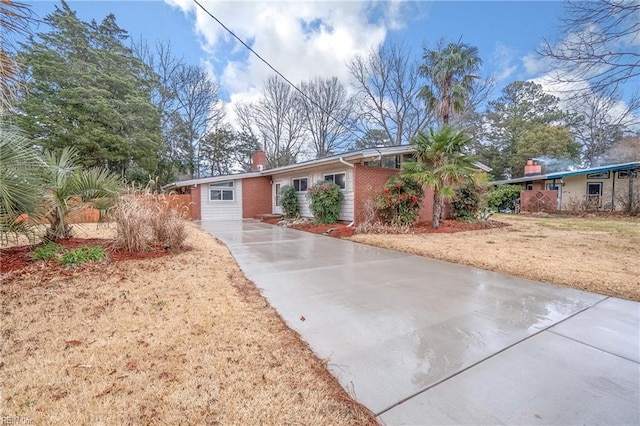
(595, 188)
(361, 176)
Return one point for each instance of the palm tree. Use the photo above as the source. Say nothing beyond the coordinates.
(450, 70)
(441, 164)
(69, 188)
(15, 18)
(20, 187)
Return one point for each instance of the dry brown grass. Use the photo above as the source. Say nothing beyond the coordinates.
(594, 254)
(183, 339)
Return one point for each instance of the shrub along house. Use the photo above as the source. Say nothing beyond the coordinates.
(596, 188)
(361, 175)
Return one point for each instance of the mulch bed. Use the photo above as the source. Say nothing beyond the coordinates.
(451, 226)
(342, 230)
(19, 257)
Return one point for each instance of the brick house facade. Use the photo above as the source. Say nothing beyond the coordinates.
(361, 175)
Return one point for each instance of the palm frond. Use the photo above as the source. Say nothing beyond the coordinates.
(20, 189)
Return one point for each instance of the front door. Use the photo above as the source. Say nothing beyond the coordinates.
(594, 194)
(277, 201)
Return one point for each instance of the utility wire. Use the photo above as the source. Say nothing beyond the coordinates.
(275, 70)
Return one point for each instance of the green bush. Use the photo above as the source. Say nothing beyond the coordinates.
(289, 201)
(48, 251)
(325, 201)
(82, 255)
(467, 202)
(69, 257)
(503, 197)
(399, 204)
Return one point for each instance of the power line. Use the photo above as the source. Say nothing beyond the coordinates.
(275, 70)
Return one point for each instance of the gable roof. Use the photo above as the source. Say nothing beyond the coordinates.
(351, 156)
(566, 173)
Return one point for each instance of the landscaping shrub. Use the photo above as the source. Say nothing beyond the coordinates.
(289, 199)
(325, 201)
(48, 251)
(504, 197)
(82, 255)
(66, 257)
(133, 226)
(144, 220)
(169, 227)
(467, 202)
(399, 205)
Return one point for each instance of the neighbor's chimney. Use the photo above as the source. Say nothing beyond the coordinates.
(532, 168)
(259, 161)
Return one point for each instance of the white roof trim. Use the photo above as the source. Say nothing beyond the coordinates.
(365, 154)
(212, 179)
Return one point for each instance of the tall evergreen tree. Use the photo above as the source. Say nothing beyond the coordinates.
(87, 90)
(522, 107)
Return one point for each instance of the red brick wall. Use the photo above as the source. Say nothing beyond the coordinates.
(196, 211)
(369, 182)
(256, 196)
(538, 184)
(539, 201)
(258, 161)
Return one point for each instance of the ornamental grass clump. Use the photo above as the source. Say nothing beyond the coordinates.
(144, 220)
(325, 201)
(399, 204)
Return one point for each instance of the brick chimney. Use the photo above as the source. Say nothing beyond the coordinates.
(259, 161)
(533, 168)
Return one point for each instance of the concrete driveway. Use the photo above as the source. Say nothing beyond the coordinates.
(420, 341)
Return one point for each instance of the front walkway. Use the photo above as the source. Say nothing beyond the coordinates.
(421, 341)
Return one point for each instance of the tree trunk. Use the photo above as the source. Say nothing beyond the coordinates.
(438, 206)
(58, 229)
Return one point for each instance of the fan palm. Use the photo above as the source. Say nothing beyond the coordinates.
(15, 18)
(451, 70)
(20, 186)
(69, 188)
(441, 164)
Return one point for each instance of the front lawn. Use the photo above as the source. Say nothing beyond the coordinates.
(178, 339)
(594, 254)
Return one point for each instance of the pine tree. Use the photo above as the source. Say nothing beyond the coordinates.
(88, 91)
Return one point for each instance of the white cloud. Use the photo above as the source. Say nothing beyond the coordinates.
(504, 57)
(299, 39)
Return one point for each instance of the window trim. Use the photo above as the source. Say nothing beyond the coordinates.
(300, 179)
(550, 186)
(627, 173)
(278, 194)
(589, 197)
(333, 175)
(222, 188)
(599, 175)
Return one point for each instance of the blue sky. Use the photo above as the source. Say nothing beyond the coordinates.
(303, 39)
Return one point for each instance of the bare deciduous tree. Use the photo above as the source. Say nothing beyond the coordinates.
(604, 119)
(387, 82)
(197, 98)
(625, 151)
(188, 101)
(600, 44)
(327, 111)
(275, 120)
